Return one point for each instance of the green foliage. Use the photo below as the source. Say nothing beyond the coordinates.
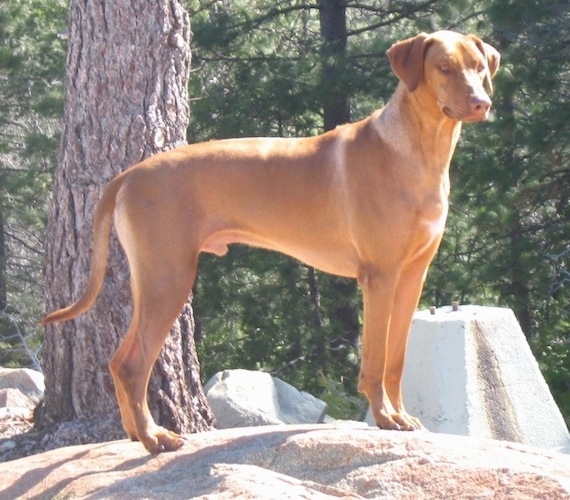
(245, 73)
(32, 64)
(272, 319)
(342, 404)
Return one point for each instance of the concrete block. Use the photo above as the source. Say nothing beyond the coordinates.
(471, 372)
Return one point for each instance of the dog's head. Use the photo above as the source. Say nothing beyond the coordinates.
(451, 69)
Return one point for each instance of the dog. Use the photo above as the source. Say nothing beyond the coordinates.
(367, 200)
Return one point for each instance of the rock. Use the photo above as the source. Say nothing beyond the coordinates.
(29, 382)
(20, 391)
(7, 445)
(15, 398)
(242, 398)
(471, 372)
(309, 461)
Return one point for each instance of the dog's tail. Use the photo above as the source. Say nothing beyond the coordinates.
(101, 230)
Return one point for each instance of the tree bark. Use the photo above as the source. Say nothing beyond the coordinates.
(3, 260)
(336, 108)
(336, 111)
(126, 99)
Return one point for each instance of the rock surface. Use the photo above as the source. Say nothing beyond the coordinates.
(309, 461)
(243, 398)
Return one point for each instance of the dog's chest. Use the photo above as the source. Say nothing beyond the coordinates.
(428, 225)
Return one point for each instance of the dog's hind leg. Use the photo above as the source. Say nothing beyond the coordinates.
(159, 294)
(114, 366)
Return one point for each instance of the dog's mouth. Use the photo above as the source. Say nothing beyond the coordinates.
(447, 112)
(465, 117)
(459, 117)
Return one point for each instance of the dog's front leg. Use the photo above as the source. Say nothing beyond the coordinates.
(378, 294)
(408, 293)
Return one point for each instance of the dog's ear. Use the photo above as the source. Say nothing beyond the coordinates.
(493, 59)
(407, 59)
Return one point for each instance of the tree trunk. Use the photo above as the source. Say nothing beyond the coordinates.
(336, 108)
(126, 99)
(336, 111)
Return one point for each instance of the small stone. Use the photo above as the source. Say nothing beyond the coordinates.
(7, 446)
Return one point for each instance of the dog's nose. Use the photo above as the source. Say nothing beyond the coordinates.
(480, 105)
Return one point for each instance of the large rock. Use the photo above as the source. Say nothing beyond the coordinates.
(15, 398)
(242, 398)
(20, 392)
(471, 372)
(28, 382)
(311, 461)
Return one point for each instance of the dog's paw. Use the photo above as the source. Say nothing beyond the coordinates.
(408, 423)
(162, 440)
(397, 421)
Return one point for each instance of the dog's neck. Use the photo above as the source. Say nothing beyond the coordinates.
(438, 133)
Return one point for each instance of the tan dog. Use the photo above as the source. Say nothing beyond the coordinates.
(367, 200)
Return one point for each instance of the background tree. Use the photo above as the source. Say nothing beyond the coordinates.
(126, 98)
(32, 62)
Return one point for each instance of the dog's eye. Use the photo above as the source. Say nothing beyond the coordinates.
(445, 68)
